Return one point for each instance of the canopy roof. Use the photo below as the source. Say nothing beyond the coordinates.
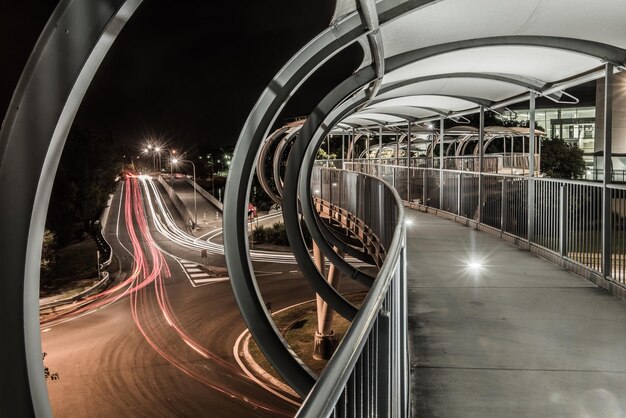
(449, 57)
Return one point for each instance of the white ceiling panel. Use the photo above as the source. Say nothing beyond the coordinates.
(534, 62)
(454, 20)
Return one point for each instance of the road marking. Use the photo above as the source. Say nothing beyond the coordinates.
(212, 280)
(195, 275)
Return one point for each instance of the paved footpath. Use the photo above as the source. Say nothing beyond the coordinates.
(515, 337)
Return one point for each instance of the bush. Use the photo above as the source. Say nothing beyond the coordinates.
(276, 234)
(561, 160)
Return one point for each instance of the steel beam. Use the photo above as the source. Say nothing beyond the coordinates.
(481, 152)
(531, 169)
(607, 169)
(441, 142)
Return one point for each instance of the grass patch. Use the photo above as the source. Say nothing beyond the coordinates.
(76, 266)
(298, 326)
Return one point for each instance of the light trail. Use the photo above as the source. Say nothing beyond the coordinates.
(167, 227)
(150, 271)
(157, 278)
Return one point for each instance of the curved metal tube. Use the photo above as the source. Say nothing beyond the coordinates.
(260, 164)
(278, 156)
(298, 179)
(248, 297)
(78, 36)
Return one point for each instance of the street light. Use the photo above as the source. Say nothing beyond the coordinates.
(212, 174)
(195, 202)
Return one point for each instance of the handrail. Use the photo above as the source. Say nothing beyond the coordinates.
(329, 388)
(564, 224)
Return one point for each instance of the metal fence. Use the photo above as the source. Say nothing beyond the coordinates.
(369, 373)
(567, 216)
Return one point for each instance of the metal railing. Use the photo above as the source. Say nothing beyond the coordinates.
(369, 373)
(517, 163)
(567, 217)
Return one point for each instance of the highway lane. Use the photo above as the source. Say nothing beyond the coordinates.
(165, 349)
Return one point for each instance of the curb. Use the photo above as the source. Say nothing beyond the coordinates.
(93, 289)
(265, 375)
(258, 370)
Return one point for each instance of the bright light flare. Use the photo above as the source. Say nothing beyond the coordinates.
(475, 265)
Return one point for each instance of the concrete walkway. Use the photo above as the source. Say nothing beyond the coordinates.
(516, 337)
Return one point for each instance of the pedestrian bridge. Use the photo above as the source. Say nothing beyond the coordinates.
(496, 331)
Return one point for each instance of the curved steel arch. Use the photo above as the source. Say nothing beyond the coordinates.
(597, 50)
(260, 166)
(515, 79)
(31, 152)
(479, 101)
(330, 42)
(278, 157)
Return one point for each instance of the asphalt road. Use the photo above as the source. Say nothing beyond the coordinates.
(165, 347)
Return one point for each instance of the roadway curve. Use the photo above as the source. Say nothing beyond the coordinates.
(156, 345)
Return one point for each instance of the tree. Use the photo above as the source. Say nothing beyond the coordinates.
(85, 177)
(561, 160)
(48, 254)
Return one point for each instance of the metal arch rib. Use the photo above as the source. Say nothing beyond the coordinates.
(294, 178)
(317, 126)
(263, 115)
(475, 100)
(31, 152)
(260, 166)
(374, 121)
(515, 79)
(593, 49)
(278, 156)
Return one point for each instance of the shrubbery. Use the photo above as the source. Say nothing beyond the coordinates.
(275, 234)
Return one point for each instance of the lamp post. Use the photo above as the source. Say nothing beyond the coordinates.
(209, 156)
(195, 202)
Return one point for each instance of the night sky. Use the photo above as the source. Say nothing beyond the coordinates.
(188, 72)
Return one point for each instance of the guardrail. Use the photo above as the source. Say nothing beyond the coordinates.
(178, 204)
(566, 224)
(101, 284)
(368, 374)
(208, 196)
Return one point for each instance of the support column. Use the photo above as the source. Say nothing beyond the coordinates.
(343, 150)
(351, 146)
(481, 139)
(441, 135)
(531, 169)
(328, 148)
(325, 342)
(380, 143)
(397, 150)
(607, 170)
(367, 149)
(408, 162)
